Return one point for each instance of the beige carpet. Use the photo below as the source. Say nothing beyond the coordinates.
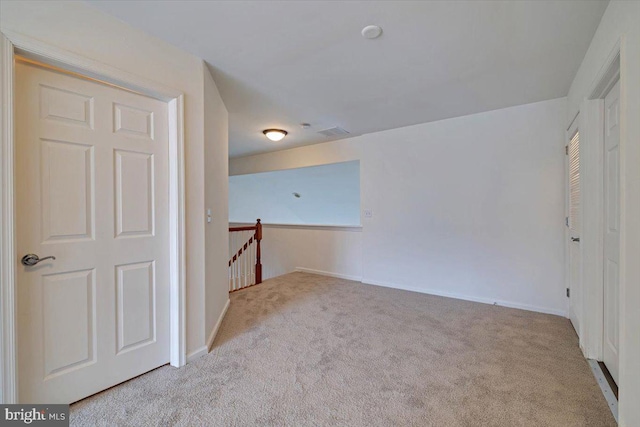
(306, 350)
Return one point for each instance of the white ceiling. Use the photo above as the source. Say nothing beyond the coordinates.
(281, 63)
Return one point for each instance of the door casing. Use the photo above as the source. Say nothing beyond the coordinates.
(591, 125)
(10, 45)
(611, 238)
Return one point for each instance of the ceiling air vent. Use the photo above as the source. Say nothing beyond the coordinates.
(336, 131)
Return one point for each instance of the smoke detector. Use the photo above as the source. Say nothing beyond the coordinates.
(371, 32)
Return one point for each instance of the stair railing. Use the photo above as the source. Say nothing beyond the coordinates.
(245, 267)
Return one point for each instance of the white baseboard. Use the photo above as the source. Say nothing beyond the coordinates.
(216, 328)
(196, 354)
(205, 349)
(611, 399)
(467, 297)
(327, 273)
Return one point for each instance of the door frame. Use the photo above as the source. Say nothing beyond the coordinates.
(14, 43)
(591, 124)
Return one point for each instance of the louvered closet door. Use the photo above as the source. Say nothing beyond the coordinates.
(92, 190)
(574, 231)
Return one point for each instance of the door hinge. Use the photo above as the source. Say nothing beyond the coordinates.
(566, 221)
(568, 293)
(566, 150)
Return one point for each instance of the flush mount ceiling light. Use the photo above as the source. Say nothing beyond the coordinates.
(275, 134)
(371, 32)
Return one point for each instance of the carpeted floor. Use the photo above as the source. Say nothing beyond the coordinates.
(307, 350)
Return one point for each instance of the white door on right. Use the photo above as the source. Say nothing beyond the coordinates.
(611, 229)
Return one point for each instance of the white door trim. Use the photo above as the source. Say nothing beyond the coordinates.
(591, 123)
(8, 368)
(593, 249)
(13, 43)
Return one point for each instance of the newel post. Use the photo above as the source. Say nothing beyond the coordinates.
(258, 263)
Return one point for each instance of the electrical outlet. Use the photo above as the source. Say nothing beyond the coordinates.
(368, 213)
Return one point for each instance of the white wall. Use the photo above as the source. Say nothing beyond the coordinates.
(76, 27)
(471, 207)
(216, 158)
(329, 195)
(335, 251)
(621, 21)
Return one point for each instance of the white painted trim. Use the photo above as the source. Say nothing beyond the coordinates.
(592, 232)
(216, 328)
(177, 244)
(197, 354)
(327, 273)
(483, 300)
(40, 51)
(605, 387)
(591, 125)
(573, 121)
(8, 367)
(603, 81)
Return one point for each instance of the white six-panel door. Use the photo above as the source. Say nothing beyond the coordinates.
(611, 229)
(92, 190)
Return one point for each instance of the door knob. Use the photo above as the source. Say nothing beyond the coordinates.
(32, 259)
(575, 239)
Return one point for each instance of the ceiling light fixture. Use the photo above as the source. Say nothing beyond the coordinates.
(371, 32)
(275, 134)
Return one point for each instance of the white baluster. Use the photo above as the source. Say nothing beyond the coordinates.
(235, 264)
(248, 267)
(246, 264)
(241, 266)
(237, 274)
(241, 262)
(253, 263)
(242, 284)
(244, 268)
